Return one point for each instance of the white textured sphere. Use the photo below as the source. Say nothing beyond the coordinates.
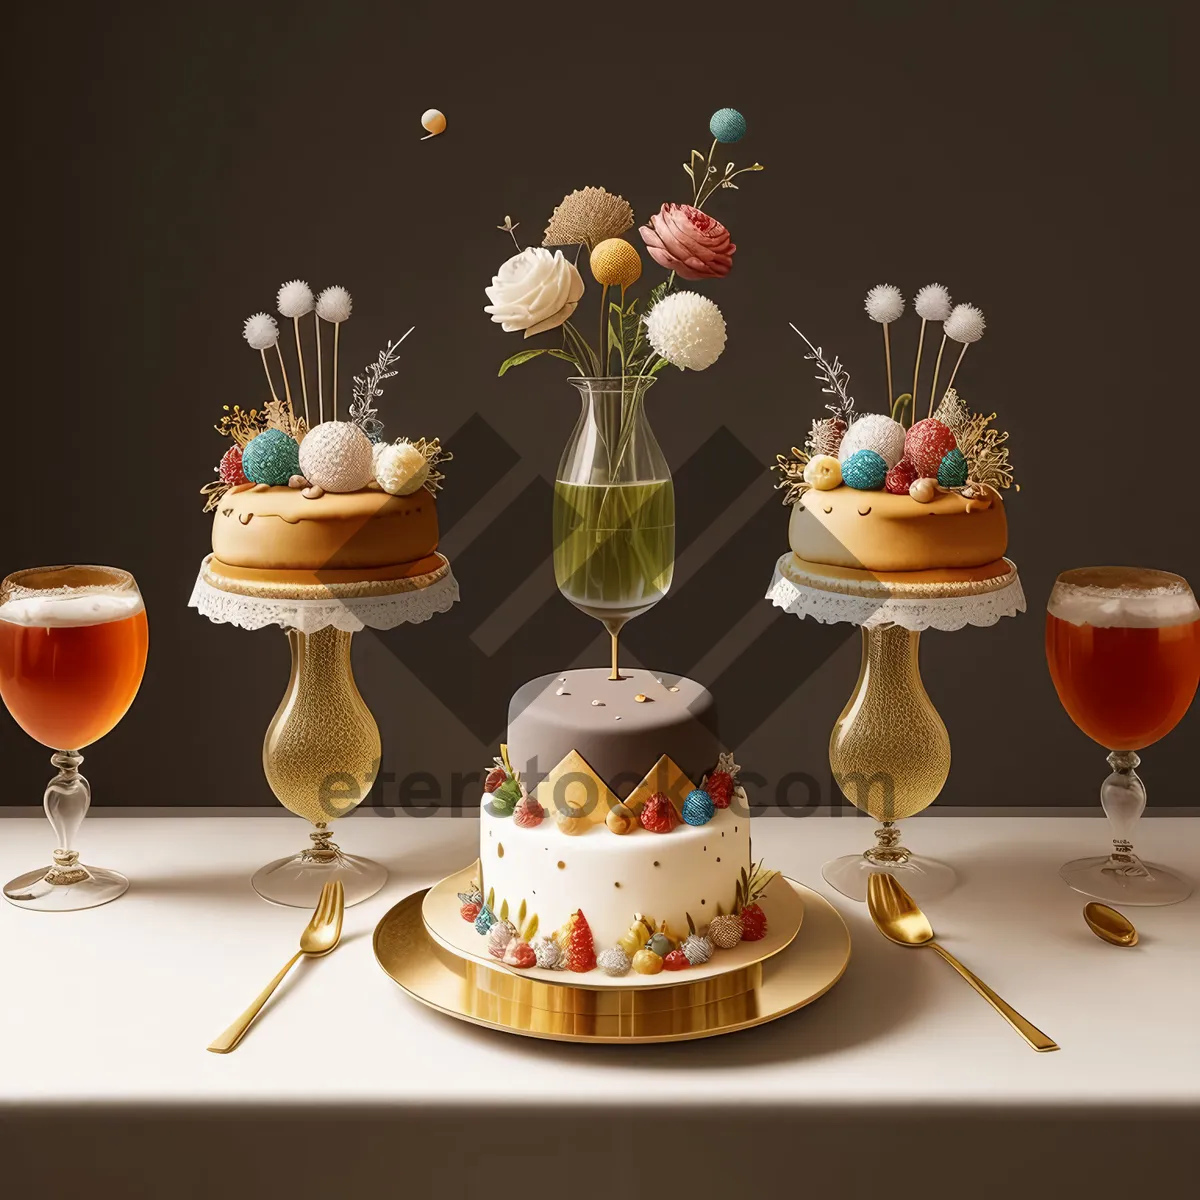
(687, 329)
(433, 120)
(872, 432)
(400, 468)
(336, 456)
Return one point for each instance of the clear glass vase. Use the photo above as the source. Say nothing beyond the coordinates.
(614, 508)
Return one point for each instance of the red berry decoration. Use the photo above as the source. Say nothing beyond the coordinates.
(470, 911)
(658, 814)
(230, 469)
(520, 955)
(926, 444)
(676, 961)
(581, 949)
(720, 788)
(901, 477)
(497, 775)
(754, 923)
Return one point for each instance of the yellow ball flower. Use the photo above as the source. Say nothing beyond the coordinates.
(615, 263)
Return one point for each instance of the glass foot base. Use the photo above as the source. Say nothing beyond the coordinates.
(1126, 883)
(297, 881)
(35, 892)
(922, 878)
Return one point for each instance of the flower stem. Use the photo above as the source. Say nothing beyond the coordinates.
(937, 366)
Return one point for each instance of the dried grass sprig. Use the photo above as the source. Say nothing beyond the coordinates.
(836, 379)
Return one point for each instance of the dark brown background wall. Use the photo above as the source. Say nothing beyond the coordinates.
(170, 165)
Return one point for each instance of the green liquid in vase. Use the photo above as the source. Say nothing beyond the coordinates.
(614, 545)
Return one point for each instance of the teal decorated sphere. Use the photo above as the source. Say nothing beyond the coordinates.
(727, 125)
(698, 808)
(271, 457)
(953, 470)
(865, 471)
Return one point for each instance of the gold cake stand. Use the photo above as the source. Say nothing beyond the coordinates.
(889, 749)
(322, 750)
(461, 986)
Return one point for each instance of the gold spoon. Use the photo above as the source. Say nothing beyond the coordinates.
(320, 936)
(898, 918)
(1109, 925)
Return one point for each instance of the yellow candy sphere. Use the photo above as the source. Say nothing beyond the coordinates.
(615, 263)
(646, 962)
(823, 472)
(434, 121)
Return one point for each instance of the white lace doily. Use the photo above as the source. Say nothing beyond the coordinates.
(978, 604)
(374, 612)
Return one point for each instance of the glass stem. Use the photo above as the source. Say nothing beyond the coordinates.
(1123, 797)
(68, 798)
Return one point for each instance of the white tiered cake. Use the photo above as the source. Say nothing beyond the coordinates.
(613, 830)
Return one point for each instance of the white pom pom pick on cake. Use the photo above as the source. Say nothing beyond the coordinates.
(295, 300)
(333, 305)
(965, 324)
(261, 333)
(885, 304)
(932, 303)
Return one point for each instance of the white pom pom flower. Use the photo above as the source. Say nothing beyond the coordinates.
(334, 305)
(965, 324)
(260, 331)
(687, 329)
(932, 302)
(884, 303)
(295, 299)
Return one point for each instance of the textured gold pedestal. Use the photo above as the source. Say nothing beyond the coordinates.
(321, 755)
(494, 997)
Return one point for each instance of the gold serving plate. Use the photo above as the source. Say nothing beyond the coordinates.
(467, 989)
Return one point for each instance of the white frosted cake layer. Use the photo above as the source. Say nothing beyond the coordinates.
(609, 877)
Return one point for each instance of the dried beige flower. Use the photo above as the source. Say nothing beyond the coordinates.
(588, 216)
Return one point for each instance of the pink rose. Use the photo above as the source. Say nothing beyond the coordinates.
(689, 242)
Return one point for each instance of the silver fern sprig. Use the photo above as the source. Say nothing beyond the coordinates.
(368, 388)
(836, 379)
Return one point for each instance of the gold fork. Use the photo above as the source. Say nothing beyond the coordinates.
(319, 937)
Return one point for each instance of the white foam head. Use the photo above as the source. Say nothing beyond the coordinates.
(1122, 598)
(62, 597)
(52, 611)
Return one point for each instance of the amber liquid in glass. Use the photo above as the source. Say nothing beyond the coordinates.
(1124, 687)
(67, 684)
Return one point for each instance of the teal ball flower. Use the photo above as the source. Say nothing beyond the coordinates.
(271, 457)
(660, 944)
(698, 808)
(953, 470)
(485, 920)
(727, 125)
(865, 471)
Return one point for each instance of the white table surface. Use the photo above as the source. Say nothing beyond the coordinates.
(110, 1010)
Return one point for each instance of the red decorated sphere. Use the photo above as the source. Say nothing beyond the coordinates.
(230, 469)
(926, 444)
(901, 477)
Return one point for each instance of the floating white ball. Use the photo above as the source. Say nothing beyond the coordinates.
(434, 121)
(400, 468)
(336, 456)
(874, 432)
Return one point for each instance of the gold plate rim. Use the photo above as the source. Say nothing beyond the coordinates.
(441, 981)
(870, 587)
(743, 956)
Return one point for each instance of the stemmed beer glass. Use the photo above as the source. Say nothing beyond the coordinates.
(1123, 644)
(72, 653)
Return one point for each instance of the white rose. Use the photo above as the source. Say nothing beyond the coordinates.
(534, 291)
